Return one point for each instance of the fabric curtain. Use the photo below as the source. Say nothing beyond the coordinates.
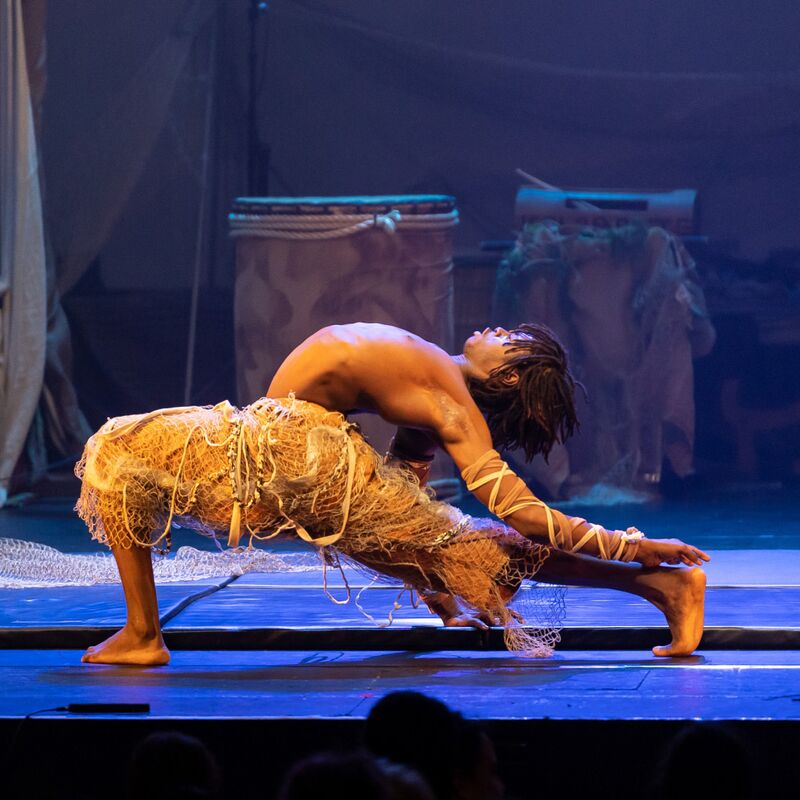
(36, 344)
(63, 425)
(23, 314)
(115, 148)
(627, 305)
(453, 96)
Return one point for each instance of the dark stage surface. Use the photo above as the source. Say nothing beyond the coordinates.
(270, 650)
(489, 685)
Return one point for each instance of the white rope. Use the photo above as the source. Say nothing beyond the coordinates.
(335, 226)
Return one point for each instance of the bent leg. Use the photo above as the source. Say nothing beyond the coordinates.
(140, 641)
(678, 592)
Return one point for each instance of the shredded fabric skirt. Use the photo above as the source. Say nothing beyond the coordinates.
(289, 465)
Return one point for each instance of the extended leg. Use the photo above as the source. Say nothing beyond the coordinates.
(140, 641)
(678, 592)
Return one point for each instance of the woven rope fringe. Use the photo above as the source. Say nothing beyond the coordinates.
(334, 226)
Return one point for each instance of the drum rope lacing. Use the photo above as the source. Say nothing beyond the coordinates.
(334, 226)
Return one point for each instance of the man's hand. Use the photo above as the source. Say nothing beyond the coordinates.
(451, 613)
(653, 552)
(468, 620)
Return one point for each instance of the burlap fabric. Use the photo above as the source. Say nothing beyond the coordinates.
(628, 306)
(281, 465)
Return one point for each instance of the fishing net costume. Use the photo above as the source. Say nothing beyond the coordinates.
(289, 465)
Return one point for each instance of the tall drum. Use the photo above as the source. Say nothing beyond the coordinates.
(306, 262)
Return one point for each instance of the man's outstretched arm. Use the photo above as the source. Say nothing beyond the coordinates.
(505, 494)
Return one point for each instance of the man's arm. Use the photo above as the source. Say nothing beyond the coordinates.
(466, 438)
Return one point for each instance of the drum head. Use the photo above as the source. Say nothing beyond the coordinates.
(406, 204)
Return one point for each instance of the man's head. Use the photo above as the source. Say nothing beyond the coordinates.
(521, 382)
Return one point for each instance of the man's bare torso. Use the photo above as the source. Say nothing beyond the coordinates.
(409, 382)
(378, 369)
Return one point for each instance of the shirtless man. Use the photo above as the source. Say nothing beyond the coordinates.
(431, 397)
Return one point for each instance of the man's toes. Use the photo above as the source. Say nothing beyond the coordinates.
(672, 651)
(666, 651)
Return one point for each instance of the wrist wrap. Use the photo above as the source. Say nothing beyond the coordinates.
(509, 494)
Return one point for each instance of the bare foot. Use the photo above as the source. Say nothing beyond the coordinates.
(127, 647)
(680, 594)
(466, 621)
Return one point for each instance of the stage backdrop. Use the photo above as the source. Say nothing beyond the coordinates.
(366, 97)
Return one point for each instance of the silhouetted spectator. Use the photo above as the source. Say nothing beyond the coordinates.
(336, 776)
(418, 731)
(404, 783)
(704, 760)
(172, 765)
(475, 776)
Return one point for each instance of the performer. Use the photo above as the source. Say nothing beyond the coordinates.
(292, 461)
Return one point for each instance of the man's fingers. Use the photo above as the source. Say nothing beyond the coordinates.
(694, 556)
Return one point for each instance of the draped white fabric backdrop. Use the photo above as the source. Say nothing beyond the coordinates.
(22, 254)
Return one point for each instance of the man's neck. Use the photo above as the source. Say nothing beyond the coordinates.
(463, 365)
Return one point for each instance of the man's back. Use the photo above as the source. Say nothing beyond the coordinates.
(380, 369)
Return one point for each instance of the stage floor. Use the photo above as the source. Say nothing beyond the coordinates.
(253, 628)
(266, 663)
(753, 601)
(753, 598)
(491, 685)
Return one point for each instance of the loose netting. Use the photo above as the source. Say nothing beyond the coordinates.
(287, 464)
(31, 564)
(484, 564)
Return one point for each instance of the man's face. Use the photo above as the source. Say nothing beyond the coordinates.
(488, 349)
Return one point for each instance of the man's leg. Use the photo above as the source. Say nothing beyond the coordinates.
(678, 592)
(140, 641)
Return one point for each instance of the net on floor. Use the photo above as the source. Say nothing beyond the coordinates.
(31, 564)
(281, 465)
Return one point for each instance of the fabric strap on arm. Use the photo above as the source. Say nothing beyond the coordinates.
(509, 494)
(490, 468)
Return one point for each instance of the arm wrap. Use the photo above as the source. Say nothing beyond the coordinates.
(509, 494)
(419, 464)
(408, 446)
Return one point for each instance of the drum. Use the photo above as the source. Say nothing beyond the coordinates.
(306, 262)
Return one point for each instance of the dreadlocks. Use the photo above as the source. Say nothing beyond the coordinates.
(538, 409)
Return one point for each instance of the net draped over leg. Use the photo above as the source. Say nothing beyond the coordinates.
(286, 464)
